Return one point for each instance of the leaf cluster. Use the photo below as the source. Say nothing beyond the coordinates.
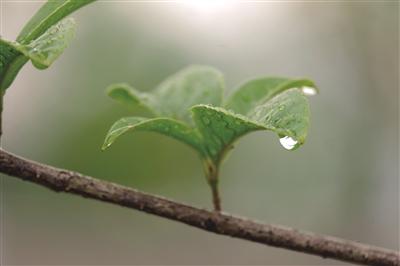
(190, 107)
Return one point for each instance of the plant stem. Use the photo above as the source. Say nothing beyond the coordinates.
(216, 198)
(211, 172)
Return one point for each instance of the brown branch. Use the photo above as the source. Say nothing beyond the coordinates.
(220, 223)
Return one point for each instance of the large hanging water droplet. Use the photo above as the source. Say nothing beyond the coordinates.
(310, 91)
(288, 142)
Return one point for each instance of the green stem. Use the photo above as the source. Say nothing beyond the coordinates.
(211, 172)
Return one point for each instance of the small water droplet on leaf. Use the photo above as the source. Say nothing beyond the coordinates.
(310, 91)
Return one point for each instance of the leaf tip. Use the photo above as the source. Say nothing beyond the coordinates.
(309, 88)
(106, 145)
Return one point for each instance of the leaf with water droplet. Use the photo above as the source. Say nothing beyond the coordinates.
(222, 129)
(44, 50)
(226, 127)
(47, 16)
(257, 91)
(275, 104)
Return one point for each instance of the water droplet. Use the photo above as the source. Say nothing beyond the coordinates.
(310, 91)
(288, 142)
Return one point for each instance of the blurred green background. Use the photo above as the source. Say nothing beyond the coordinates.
(343, 182)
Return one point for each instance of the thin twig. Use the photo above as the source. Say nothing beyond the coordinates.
(220, 223)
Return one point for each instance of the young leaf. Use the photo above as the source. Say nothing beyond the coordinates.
(190, 86)
(125, 94)
(48, 15)
(256, 91)
(165, 126)
(44, 50)
(13, 56)
(219, 128)
(174, 96)
(287, 114)
(275, 104)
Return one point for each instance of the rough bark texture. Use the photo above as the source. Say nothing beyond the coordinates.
(220, 223)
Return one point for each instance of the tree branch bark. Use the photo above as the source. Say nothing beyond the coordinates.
(221, 223)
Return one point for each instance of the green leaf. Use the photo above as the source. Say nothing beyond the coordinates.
(174, 97)
(13, 56)
(49, 14)
(275, 104)
(11, 61)
(286, 114)
(190, 86)
(165, 126)
(125, 94)
(219, 128)
(257, 91)
(44, 50)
